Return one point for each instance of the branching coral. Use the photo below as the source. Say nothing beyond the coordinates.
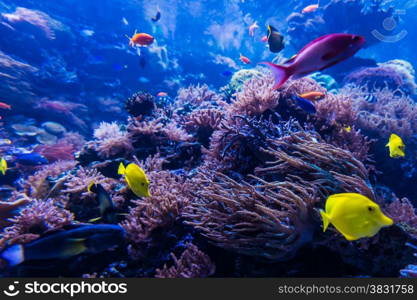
(111, 140)
(161, 209)
(38, 185)
(9, 209)
(256, 97)
(404, 214)
(192, 263)
(203, 122)
(59, 151)
(307, 156)
(392, 112)
(175, 133)
(236, 144)
(195, 96)
(396, 74)
(77, 183)
(37, 218)
(270, 220)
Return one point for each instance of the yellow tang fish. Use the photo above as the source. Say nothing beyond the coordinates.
(3, 166)
(354, 215)
(396, 146)
(136, 179)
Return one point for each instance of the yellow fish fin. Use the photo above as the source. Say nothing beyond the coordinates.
(121, 170)
(74, 247)
(90, 186)
(94, 220)
(349, 237)
(326, 220)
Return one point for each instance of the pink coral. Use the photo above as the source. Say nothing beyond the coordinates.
(110, 140)
(404, 214)
(37, 218)
(256, 97)
(164, 206)
(192, 263)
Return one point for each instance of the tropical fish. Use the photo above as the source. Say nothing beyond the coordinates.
(264, 39)
(5, 105)
(157, 16)
(136, 179)
(30, 159)
(313, 96)
(244, 59)
(396, 146)
(3, 166)
(275, 40)
(310, 8)
(252, 28)
(354, 215)
(318, 55)
(140, 40)
(106, 206)
(305, 104)
(348, 129)
(62, 244)
(162, 94)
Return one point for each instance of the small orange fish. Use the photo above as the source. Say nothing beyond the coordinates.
(244, 59)
(310, 9)
(140, 40)
(313, 96)
(162, 94)
(264, 39)
(5, 105)
(252, 28)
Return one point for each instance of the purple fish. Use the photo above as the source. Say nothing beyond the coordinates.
(318, 55)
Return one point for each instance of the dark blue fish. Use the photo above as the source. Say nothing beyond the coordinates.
(227, 73)
(30, 159)
(62, 244)
(305, 104)
(107, 210)
(157, 17)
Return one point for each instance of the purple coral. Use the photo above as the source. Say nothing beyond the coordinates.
(39, 217)
(111, 140)
(192, 263)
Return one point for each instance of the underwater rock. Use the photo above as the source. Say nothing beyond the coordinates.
(53, 128)
(26, 130)
(46, 138)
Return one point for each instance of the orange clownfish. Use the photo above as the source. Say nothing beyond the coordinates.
(310, 9)
(244, 59)
(140, 39)
(313, 96)
(5, 105)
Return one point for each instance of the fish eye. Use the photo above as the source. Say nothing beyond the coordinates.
(371, 209)
(143, 184)
(356, 38)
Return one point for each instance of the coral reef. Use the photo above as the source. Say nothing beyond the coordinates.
(39, 217)
(191, 264)
(111, 140)
(140, 103)
(394, 74)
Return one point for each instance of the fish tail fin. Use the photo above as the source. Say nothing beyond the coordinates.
(13, 255)
(281, 74)
(326, 220)
(90, 187)
(121, 170)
